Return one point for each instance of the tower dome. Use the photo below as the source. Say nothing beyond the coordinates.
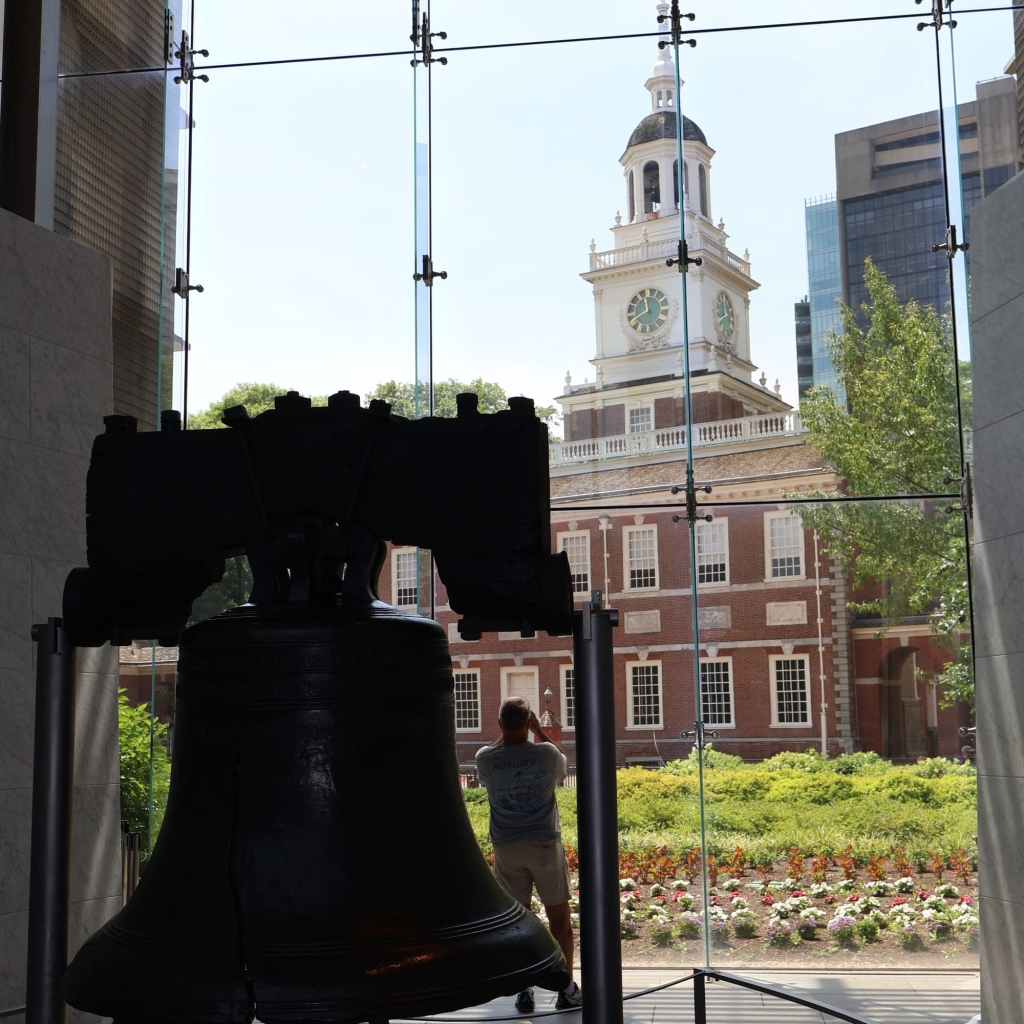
(661, 124)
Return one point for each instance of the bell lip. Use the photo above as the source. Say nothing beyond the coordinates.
(288, 614)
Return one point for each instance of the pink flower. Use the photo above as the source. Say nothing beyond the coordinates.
(898, 901)
(967, 900)
(767, 899)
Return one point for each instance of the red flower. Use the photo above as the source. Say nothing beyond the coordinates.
(967, 900)
(767, 899)
(855, 897)
(922, 895)
(714, 900)
(798, 892)
(898, 901)
(734, 893)
(831, 898)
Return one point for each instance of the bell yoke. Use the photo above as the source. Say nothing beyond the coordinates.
(258, 900)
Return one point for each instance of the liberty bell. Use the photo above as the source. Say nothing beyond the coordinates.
(316, 861)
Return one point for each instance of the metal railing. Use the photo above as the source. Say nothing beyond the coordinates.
(468, 779)
(645, 250)
(619, 446)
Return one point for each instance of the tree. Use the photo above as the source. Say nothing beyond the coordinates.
(898, 434)
(141, 749)
(234, 587)
(491, 398)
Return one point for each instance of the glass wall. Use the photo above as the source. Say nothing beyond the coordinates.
(508, 205)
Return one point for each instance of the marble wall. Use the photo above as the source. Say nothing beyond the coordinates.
(997, 270)
(56, 385)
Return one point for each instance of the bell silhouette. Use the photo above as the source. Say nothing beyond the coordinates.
(316, 861)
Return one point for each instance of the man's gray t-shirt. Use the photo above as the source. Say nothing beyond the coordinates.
(520, 783)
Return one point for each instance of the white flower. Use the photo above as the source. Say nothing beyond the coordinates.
(846, 910)
(846, 885)
(628, 915)
(628, 900)
(729, 883)
(739, 903)
(935, 903)
(679, 884)
(880, 889)
(812, 914)
(657, 890)
(904, 885)
(716, 914)
(742, 914)
(626, 883)
(820, 889)
(947, 890)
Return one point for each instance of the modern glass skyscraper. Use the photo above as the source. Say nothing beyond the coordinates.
(890, 191)
(889, 206)
(825, 288)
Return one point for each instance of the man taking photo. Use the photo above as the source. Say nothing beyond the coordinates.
(520, 778)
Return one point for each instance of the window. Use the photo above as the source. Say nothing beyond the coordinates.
(641, 548)
(652, 187)
(790, 700)
(641, 419)
(675, 182)
(716, 691)
(784, 546)
(404, 578)
(632, 200)
(467, 700)
(713, 552)
(568, 674)
(702, 185)
(644, 698)
(576, 545)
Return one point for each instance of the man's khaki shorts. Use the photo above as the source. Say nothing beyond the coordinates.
(536, 860)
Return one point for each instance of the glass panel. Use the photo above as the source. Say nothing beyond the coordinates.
(299, 221)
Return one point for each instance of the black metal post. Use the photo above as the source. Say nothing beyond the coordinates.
(597, 811)
(28, 115)
(700, 1009)
(49, 898)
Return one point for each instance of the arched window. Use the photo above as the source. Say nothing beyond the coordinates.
(686, 181)
(702, 183)
(661, 102)
(652, 187)
(669, 95)
(632, 200)
(675, 181)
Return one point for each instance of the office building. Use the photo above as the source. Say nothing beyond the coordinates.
(890, 206)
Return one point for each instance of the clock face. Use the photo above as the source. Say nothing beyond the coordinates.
(647, 310)
(725, 316)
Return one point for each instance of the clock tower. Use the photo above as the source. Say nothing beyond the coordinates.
(637, 297)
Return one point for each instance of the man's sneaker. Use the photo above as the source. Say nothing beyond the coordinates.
(524, 1001)
(570, 998)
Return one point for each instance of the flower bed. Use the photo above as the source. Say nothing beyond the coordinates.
(773, 917)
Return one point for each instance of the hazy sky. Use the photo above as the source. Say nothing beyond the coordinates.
(304, 174)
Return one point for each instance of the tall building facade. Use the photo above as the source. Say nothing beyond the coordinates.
(116, 177)
(804, 360)
(889, 190)
(825, 288)
(890, 206)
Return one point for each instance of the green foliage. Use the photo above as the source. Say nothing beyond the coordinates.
(136, 750)
(898, 434)
(231, 591)
(491, 398)
(255, 397)
(810, 761)
(859, 800)
(867, 929)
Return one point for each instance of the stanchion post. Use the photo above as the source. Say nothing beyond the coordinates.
(49, 900)
(700, 1009)
(597, 811)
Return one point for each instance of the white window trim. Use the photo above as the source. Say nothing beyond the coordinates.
(629, 697)
(626, 531)
(479, 703)
(395, 552)
(562, 670)
(583, 595)
(723, 521)
(507, 670)
(732, 691)
(773, 660)
(634, 408)
(768, 577)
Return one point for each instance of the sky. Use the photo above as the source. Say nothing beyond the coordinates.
(304, 174)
